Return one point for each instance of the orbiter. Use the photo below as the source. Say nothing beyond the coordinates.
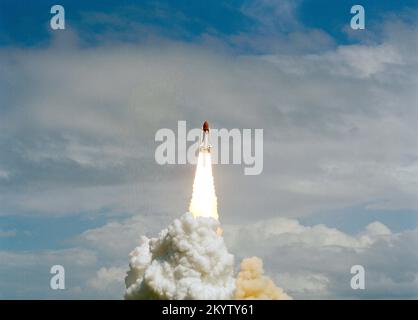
(205, 146)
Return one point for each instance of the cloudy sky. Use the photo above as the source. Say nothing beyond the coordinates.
(79, 109)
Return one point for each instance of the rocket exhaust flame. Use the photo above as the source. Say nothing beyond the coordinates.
(204, 201)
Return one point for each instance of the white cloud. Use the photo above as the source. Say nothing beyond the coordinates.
(289, 232)
(117, 239)
(72, 200)
(109, 280)
(273, 15)
(72, 256)
(304, 283)
(314, 262)
(360, 61)
(351, 109)
(377, 229)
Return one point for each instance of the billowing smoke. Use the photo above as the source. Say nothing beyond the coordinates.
(188, 260)
(253, 284)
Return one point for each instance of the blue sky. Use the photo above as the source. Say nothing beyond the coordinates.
(79, 109)
(26, 23)
(194, 18)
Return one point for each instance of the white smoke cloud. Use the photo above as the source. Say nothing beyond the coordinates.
(188, 260)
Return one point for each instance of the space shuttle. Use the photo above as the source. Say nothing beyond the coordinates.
(205, 145)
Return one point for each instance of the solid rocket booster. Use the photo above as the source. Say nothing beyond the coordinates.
(205, 146)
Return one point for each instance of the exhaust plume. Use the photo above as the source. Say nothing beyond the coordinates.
(253, 284)
(188, 260)
(204, 201)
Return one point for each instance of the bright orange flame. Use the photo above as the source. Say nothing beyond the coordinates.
(204, 201)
